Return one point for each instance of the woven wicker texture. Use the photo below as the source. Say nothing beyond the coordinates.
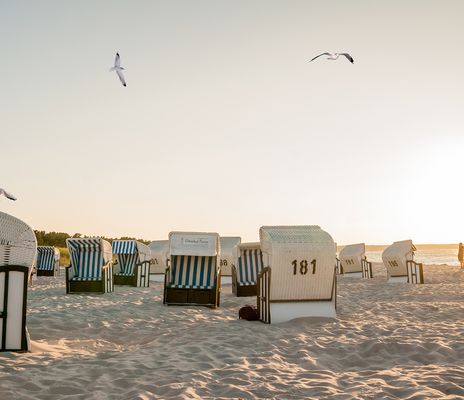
(351, 256)
(159, 254)
(228, 244)
(302, 260)
(394, 257)
(18, 245)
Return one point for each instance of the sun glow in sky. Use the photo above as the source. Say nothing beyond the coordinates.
(225, 126)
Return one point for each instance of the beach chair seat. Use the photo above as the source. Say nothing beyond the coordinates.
(193, 275)
(299, 278)
(353, 261)
(132, 265)
(398, 259)
(18, 247)
(90, 269)
(48, 261)
(246, 268)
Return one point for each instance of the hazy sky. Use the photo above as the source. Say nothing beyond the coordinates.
(225, 126)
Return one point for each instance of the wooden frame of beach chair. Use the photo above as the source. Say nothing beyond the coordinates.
(366, 269)
(246, 268)
(91, 268)
(132, 264)
(299, 277)
(48, 261)
(18, 247)
(415, 272)
(351, 261)
(394, 258)
(159, 255)
(227, 257)
(193, 275)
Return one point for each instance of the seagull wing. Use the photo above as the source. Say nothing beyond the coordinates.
(350, 59)
(8, 195)
(117, 60)
(322, 54)
(121, 77)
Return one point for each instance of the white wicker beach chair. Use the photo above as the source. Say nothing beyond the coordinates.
(353, 262)
(398, 259)
(132, 265)
(91, 269)
(193, 275)
(228, 244)
(48, 261)
(299, 276)
(247, 266)
(159, 255)
(18, 247)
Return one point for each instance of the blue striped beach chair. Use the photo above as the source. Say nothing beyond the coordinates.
(246, 268)
(18, 247)
(48, 261)
(91, 269)
(193, 275)
(132, 264)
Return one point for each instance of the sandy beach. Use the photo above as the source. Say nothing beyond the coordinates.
(388, 341)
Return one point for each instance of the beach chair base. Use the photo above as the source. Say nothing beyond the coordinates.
(244, 291)
(285, 311)
(157, 277)
(141, 277)
(13, 301)
(398, 279)
(353, 274)
(200, 297)
(226, 280)
(105, 285)
(41, 272)
(128, 280)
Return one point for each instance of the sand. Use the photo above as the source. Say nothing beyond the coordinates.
(389, 341)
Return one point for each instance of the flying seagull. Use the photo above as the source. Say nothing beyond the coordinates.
(117, 67)
(7, 195)
(334, 56)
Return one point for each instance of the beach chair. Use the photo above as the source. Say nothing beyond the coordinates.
(246, 268)
(298, 279)
(18, 249)
(48, 261)
(353, 262)
(228, 244)
(159, 255)
(193, 274)
(398, 259)
(90, 269)
(132, 264)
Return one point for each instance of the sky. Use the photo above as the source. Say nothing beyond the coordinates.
(225, 125)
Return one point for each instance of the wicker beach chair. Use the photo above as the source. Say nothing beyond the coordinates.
(298, 279)
(193, 275)
(132, 265)
(228, 244)
(246, 268)
(48, 261)
(18, 247)
(159, 255)
(398, 259)
(353, 262)
(91, 269)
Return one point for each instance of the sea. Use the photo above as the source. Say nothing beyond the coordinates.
(435, 256)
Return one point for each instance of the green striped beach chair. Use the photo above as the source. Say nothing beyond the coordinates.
(18, 247)
(193, 275)
(91, 269)
(246, 268)
(298, 278)
(132, 265)
(48, 261)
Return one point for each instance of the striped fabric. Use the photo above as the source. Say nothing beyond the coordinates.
(127, 255)
(250, 264)
(193, 272)
(124, 247)
(45, 258)
(87, 259)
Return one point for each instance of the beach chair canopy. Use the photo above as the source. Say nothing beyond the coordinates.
(47, 256)
(302, 260)
(88, 256)
(248, 262)
(128, 253)
(228, 244)
(18, 244)
(194, 260)
(395, 256)
(159, 255)
(351, 256)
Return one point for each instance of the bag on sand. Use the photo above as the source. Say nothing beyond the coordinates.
(249, 313)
